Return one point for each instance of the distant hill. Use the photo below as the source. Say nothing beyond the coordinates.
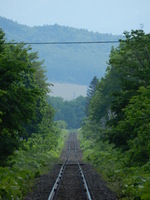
(64, 63)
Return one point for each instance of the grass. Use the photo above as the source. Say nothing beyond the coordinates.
(36, 158)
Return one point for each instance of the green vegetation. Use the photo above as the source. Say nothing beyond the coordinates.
(129, 182)
(29, 140)
(90, 93)
(115, 135)
(64, 63)
(23, 91)
(37, 157)
(72, 112)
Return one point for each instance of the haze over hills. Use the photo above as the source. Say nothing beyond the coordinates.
(76, 64)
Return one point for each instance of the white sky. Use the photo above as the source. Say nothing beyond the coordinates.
(104, 16)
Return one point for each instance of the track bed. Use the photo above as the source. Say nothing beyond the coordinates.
(71, 185)
(73, 180)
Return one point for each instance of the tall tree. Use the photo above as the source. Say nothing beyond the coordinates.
(72, 112)
(90, 92)
(128, 70)
(23, 91)
(136, 125)
(132, 61)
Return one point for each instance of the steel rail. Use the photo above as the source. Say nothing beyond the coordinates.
(57, 182)
(59, 177)
(88, 195)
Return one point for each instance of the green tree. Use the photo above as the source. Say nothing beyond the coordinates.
(23, 91)
(117, 128)
(128, 70)
(42, 107)
(72, 112)
(90, 92)
(136, 126)
(100, 104)
(132, 61)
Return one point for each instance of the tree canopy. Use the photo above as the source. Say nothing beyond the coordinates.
(23, 90)
(72, 112)
(115, 135)
(120, 103)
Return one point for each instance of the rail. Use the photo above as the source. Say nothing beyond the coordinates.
(62, 169)
(54, 189)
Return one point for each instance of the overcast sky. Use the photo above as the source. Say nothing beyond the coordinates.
(104, 16)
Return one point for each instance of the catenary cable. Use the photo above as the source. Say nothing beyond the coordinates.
(64, 43)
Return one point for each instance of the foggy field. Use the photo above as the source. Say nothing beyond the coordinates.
(68, 91)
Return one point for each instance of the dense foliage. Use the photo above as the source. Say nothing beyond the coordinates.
(118, 120)
(66, 63)
(72, 112)
(23, 97)
(29, 140)
(37, 157)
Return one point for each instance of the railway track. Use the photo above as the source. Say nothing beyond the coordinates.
(71, 183)
(66, 179)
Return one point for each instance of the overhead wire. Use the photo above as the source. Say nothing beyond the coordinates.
(67, 43)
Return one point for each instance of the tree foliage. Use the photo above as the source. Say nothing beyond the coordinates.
(119, 109)
(36, 158)
(128, 70)
(72, 112)
(90, 92)
(136, 126)
(23, 89)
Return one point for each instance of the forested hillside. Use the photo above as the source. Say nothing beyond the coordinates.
(116, 132)
(64, 63)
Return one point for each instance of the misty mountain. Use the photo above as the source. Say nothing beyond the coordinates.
(71, 63)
